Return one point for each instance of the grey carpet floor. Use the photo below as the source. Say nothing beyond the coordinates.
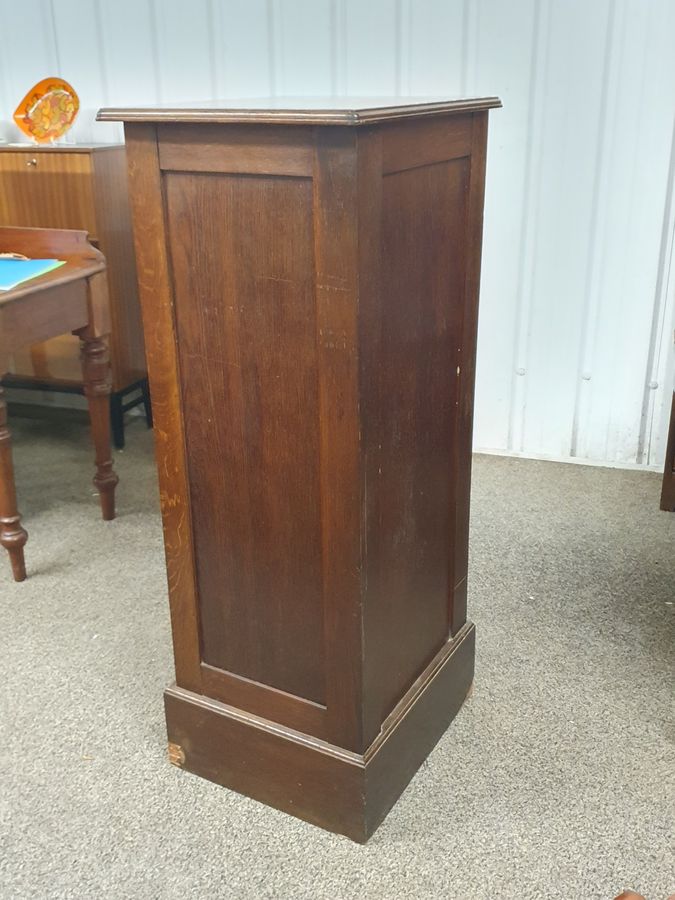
(555, 780)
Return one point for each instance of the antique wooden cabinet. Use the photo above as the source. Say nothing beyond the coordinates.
(309, 282)
(80, 186)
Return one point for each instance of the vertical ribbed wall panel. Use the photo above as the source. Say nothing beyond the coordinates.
(578, 290)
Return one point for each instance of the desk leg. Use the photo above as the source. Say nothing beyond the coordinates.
(97, 384)
(12, 536)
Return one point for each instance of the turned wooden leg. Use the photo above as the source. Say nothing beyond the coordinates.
(97, 385)
(12, 536)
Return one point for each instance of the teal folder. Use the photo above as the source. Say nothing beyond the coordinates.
(15, 271)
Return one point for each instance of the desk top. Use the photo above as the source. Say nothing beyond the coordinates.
(31, 147)
(300, 110)
(82, 260)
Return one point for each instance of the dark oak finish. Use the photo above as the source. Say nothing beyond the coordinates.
(408, 409)
(300, 110)
(77, 187)
(310, 300)
(249, 150)
(72, 298)
(236, 369)
(668, 485)
(349, 793)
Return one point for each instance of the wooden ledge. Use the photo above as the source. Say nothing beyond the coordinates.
(352, 111)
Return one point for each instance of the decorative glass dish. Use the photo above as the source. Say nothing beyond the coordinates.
(48, 110)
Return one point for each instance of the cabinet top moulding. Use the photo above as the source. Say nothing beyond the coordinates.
(301, 111)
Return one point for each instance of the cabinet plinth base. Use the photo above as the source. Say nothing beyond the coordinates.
(345, 792)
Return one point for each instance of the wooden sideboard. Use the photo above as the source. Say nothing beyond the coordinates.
(80, 187)
(309, 281)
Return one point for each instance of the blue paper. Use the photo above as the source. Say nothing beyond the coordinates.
(15, 271)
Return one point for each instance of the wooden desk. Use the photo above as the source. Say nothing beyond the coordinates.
(72, 298)
(84, 187)
(309, 283)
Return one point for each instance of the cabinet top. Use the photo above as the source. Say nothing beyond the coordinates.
(300, 110)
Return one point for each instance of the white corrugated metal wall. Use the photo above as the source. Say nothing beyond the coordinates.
(576, 330)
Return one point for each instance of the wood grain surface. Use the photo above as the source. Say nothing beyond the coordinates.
(310, 299)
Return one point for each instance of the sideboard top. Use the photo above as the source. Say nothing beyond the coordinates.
(300, 110)
(31, 147)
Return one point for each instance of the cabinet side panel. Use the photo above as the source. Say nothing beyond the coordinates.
(243, 272)
(467, 374)
(337, 239)
(410, 355)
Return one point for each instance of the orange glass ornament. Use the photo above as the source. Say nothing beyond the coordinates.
(48, 110)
